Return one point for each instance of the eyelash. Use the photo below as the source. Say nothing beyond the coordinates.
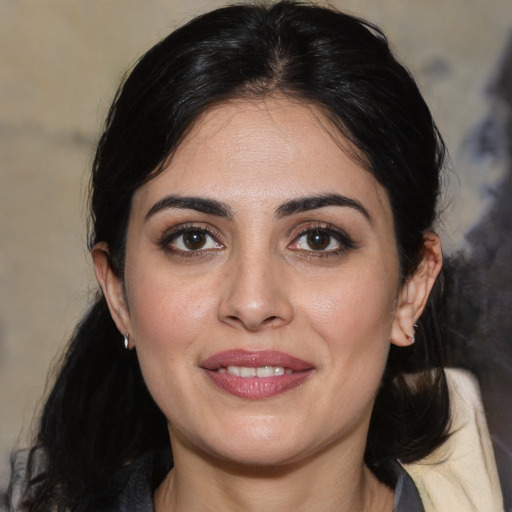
(171, 236)
(344, 240)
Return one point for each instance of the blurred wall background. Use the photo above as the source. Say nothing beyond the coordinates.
(60, 64)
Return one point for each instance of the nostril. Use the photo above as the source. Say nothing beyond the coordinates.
(252, 325)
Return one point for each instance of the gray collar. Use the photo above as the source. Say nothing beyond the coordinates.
(407, 497)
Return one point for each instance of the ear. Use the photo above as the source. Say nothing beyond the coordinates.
(414, 294)
(113, 289)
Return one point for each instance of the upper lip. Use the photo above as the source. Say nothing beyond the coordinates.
(255, 359)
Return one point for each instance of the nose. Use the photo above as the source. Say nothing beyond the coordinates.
(254, 295)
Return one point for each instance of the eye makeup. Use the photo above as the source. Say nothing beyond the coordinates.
(322, 240)
(190, 240)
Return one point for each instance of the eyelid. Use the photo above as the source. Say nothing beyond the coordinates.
(171, 234)
(345, 240)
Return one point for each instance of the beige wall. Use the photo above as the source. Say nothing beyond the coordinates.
(60, 63)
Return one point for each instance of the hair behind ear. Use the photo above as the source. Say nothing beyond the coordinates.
(411, 415)
(98, 417)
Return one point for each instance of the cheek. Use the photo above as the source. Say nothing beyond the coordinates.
(354, 318)
(167, 313)
(168, 318)
(357, 307)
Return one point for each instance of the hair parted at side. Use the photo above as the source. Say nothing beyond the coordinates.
(99, 416)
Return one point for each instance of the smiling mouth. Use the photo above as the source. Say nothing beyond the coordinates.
(260, 371)
(256, 375)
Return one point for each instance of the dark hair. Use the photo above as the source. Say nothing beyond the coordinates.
(99, 416)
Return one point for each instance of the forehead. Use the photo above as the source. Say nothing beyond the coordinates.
(263, 151)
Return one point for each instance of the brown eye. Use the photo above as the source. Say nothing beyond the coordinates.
(318, 240)
(323, 240)
(194, 240)
(191, 240)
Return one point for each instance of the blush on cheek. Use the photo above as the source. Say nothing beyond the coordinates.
(176, 313)
(354, 312)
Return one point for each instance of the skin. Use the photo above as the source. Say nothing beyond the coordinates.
(258, 283)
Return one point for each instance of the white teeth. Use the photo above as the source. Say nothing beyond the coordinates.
(234, 370)
(261, 371)
(247, 372)
(265, 371)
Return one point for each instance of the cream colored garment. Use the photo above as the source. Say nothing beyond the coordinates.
(461, 475)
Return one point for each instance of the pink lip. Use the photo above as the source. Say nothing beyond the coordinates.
(255, 359)
(255, 388)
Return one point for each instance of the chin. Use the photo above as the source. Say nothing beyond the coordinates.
(267, 442)
(260, 454)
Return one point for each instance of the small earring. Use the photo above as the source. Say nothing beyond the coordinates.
(411, 337)
(126, 341)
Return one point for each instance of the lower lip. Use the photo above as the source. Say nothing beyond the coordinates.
(257, 388)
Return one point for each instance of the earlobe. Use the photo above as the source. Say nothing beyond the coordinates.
(414, 294)
(112, 286)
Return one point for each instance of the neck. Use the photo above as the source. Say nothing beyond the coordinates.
(327, 483)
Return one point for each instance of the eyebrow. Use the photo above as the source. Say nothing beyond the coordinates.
(200, 204)
(219, 209)
(305, 204)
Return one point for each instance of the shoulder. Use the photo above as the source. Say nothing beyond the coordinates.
(138, 481)
(130, 489)
(461, 474)
(407, 497)
(18, 482)
(137, 494)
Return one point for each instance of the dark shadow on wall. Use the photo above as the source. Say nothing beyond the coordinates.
(480, 306)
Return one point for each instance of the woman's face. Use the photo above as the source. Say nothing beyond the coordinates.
(261, 286)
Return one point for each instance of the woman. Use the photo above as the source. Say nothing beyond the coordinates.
(262, 206)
